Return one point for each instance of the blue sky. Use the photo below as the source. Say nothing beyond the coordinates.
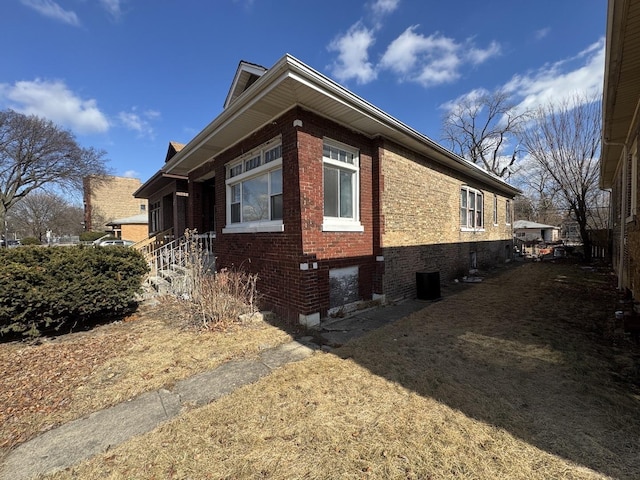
(128, 76)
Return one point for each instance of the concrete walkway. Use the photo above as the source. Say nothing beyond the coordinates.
(81, 439)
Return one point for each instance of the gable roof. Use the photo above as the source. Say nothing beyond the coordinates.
(141, 219)
(290, 83)
(174, 147)
(527, 224)
(246, 75)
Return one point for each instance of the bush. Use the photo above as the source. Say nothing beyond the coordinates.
(45, 288)
(91, 236)
(214, 300)
(30, 241)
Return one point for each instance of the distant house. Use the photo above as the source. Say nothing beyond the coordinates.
(107, 198)
(620, 138)
(134, 228)
(327, 198)
(527, 231)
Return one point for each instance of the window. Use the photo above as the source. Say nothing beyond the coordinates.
(508, 212)
(471, 205)
(495, 209)
(154, 217)
(341, 171)
(254, 191)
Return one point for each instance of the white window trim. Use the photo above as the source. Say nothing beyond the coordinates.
(338, 224)
(266, 226)
(508, 212)
(495, 210)
(634, 182)
(466, 228)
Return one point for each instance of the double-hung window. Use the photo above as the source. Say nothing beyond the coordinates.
(341, 184)
(254, 191)
(508, 212)
(471, 209)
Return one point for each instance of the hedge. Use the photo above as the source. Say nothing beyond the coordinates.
(44, 289)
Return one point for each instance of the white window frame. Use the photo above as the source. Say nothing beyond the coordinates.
(508, 212)
(250, 166)
(343, 224)
(476, 193)
(633, 198)
(495, 209)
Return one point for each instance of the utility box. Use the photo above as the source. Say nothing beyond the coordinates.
(428, 285)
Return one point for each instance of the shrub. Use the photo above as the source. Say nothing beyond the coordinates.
(30, 241)
(91, 236)
(214, 299)
(45, 288)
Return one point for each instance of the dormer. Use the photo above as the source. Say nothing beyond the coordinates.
(246, 75)
(174, 147)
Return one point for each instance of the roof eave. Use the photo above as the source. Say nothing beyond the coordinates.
(381, 123)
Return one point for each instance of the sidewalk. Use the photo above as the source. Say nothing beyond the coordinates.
(81, 439)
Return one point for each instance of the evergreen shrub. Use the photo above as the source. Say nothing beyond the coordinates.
(44, 289)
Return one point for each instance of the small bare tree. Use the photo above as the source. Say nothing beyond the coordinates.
(42, 211)
(35, 153)
(484, 128)
(563, 141)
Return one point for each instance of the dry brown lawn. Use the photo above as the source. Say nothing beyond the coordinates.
(57, 380)
(517, 377)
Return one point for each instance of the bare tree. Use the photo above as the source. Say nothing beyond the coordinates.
(35, 153)
(42, 211)
(564, 142)
(484, 128)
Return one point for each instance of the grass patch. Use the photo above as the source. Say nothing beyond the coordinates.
(513, 377)
(55, 381)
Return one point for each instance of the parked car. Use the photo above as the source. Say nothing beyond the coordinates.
(10, 243)
(115, 242)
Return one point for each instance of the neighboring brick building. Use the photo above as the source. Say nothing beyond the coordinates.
(134, 228)
(619, 168)
(107, 198)
(328, 199)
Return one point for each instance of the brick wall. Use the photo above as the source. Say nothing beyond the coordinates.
(109, 198)
(134, 232)
(420, 225)
(409, 208)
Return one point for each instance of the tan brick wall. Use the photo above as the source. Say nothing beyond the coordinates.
(421, 203)
(110, 198)
(134, 232)
(420, 226)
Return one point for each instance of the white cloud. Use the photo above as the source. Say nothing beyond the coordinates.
(432, 60)
(139, 122)
(113, 7)
(543, 32)
(580, 75)
(384, 7)
(353, 55)
(481, 55)
(53, 100)
(51, 9)
(131, 174)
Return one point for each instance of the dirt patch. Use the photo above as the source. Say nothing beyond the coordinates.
(516, 377)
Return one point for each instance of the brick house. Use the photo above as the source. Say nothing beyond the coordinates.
(107, 198)
(328, 198)
(620, 137)
(134, 228)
